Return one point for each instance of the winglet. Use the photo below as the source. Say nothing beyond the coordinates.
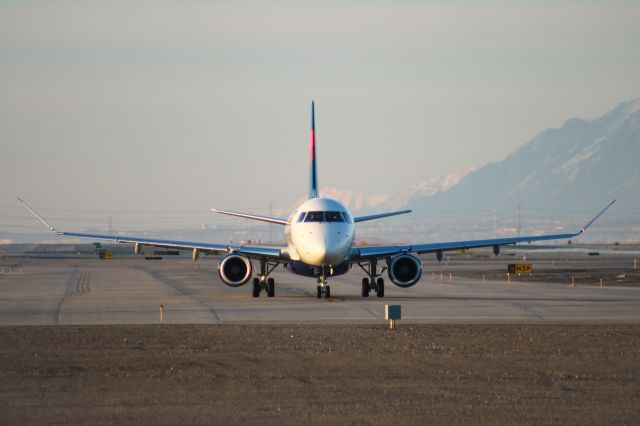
(584, 228)
(33, 212)
(313, 180)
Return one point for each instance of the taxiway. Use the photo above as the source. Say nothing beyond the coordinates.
(130, 290)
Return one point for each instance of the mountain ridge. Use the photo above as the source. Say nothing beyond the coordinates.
(578, 166)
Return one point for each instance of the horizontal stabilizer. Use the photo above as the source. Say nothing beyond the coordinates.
(379, 215)
(253, 217)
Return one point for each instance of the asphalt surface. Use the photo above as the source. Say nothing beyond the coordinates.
(130, 290)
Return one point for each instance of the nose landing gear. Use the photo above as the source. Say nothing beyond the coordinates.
(323, 288)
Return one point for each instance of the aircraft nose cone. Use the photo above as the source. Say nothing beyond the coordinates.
(334, 252)
(323, 249)
(321, 255)
(323, 252)
(317, 252)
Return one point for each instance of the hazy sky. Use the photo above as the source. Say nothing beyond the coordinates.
(189, 105)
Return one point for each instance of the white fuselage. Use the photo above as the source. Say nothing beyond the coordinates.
(320, 232)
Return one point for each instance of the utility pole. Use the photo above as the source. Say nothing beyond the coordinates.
(270, 215)
(519, 219)
(494, 224)
(110, 227)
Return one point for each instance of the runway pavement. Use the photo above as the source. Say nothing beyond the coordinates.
(130, 290)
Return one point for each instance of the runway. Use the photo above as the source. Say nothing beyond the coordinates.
(130, 290)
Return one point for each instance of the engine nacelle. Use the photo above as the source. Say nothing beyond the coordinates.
(235, 270)
(405, 270)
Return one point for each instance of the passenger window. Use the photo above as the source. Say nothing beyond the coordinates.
(315, 217)
(334, 217)
(301, 217)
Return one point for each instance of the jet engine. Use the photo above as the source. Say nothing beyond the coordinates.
(405, 270)
(235, 270)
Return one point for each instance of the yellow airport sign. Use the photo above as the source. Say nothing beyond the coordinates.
(520, 268)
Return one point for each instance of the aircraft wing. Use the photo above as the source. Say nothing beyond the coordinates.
(249, 250)
(363, 253)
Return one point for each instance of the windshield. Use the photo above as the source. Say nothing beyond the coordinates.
(324, 217)
(315, 217)
(334, 217)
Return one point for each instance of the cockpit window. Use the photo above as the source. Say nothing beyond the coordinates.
(334, 217)
(315, 217)
(323, 217)
(301, 217)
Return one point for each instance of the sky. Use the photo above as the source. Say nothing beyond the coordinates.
(181, 106)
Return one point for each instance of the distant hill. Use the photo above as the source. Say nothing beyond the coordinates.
(580, 166)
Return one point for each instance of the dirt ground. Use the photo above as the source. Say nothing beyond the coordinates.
(230, 374)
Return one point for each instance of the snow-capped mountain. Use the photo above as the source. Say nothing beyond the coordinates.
(438, 184)
(359, 201)
(580, 166)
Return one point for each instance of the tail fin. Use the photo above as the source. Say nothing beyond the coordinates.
(313, 182)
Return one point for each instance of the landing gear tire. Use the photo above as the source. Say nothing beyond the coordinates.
(380, 287)
(319, 292)
(327, 292)
(271, 287)
(366, 287)
(256, 288)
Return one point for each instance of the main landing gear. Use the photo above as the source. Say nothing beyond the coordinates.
(262, 282)
(374, 281)
(323, 288)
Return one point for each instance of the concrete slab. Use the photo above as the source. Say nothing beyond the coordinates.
(130, 290)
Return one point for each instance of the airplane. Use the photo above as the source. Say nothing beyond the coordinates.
(320, 235)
